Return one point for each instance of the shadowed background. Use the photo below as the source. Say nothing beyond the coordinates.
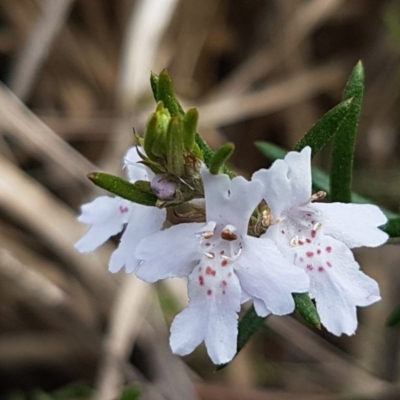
(75, 81)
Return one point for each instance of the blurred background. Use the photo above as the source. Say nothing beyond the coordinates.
(75, 82)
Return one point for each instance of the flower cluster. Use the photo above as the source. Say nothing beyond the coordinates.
(261, 240)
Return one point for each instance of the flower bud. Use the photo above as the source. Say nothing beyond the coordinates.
(163, 187)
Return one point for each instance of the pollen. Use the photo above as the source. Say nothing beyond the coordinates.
(226, 234)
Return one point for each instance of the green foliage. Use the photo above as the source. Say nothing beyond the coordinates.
(325, 128)
(163, 90)
(220, 157)
(122, 188)
(175, 151)
(306, 309)
(130, 393)
(394, 317)
(190, 121)
(345, 139)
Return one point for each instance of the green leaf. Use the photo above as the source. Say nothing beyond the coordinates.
(154, 85)
(320, 178)
(249, 324)
(392, 227)
(122, 188)
(130, 393)
(394, 317)
(306, 309)
(175, 147)
(220, 157)
(345, 139)
(325, 128)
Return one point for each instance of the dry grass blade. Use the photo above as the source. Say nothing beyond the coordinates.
(31, 57)
(168, 371)
(304, 21)
(47, 217)
(127, 318)
(333, 361)
(293, 90)
(40, 140)
(146, 27)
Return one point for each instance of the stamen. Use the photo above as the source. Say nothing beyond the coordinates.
(207, 235)
(318, 196)
(294, 241)
(207, 232)
(227, 233)
(266, 220)
(209, 255)
(316, 226)
(234, 257)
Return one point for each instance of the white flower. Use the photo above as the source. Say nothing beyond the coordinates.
(317, 238)
(220, 260)
(108, 216)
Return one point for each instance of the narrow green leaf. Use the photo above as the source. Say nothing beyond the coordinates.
(394, 317)
(166, 94)
(154, 85)
(189, 127)
(345, 139)
(392, 227)
(306, 309)
(325, 128)
(122, 188)
(175, 147)
(320, 178)
(220, 157)
(249, 324)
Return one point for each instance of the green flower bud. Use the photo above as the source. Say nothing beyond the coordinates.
(189, 128)
(175, 147)
(156, 133)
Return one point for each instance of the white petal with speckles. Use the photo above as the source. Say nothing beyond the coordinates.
(143, 222)
(107, 216)
(171, 253)
(265, 274)
(354, 224)
(211, 316)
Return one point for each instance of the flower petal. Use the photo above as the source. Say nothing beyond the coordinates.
(265, 274)
(107, 216)
(169, 253)
(136, 171)
(230, 201)
(353, 224)
(337, 314)
(288, 182)
(211, 316)
(336, 282)
(143, 222)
